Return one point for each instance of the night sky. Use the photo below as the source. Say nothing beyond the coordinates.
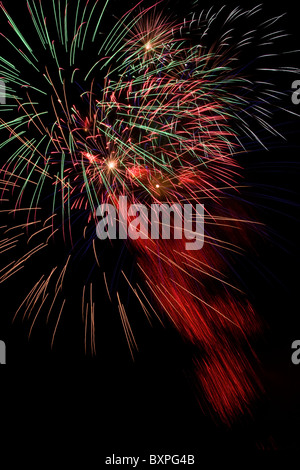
(112, 404)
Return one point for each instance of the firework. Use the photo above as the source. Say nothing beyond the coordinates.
(155, 108)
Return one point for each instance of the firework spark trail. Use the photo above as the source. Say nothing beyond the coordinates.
(207, 318)
(159, 111)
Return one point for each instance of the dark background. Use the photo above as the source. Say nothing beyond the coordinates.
(115, 405)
